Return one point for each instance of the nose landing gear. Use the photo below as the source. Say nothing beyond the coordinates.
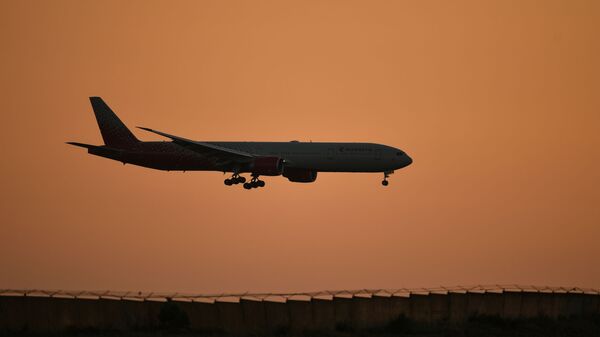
(254, 183)
(386, 174)
(234, 180)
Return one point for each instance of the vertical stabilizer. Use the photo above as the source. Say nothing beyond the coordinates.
(114, 132)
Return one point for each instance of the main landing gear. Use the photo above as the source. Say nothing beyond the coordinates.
(386, 174)
(254, 183)
(234, 180)
(237, 179)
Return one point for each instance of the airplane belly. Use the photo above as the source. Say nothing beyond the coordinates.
(168, 161)
(337, 164)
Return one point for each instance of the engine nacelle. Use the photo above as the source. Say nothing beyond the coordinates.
(300, 175)
(267, 166)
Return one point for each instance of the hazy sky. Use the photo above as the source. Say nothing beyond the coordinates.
(497, 102)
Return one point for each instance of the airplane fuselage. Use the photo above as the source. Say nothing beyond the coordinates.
(318, 156)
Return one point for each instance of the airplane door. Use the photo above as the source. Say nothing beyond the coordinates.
(330, 154)
(377, 154)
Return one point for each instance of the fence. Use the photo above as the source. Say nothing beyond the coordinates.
(264, 313)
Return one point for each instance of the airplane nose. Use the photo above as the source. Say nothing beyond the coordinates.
(408, 160)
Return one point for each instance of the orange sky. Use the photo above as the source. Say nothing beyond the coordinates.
(497, 102)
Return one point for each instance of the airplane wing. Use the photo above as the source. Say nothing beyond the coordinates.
(220, 156)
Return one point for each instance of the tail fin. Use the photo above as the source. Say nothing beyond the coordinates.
(114, 132)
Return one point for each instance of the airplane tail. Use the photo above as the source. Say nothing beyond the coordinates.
(114, 132)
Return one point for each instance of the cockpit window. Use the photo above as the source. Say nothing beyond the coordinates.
(399, 153)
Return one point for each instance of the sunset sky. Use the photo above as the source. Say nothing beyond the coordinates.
(497, 102)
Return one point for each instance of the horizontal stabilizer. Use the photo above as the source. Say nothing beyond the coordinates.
(87, 146)
(101, 151)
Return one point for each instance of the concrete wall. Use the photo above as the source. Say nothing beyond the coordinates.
(458, 307)
(204, 317)
(250, 317)
(512, 304)
(420, 308)
(440, 307)
(231, 317)
(255, 317)
(277, 317)
(343, 312)
(323, 314)
(399, 306)
(56, 314)
(530, 304)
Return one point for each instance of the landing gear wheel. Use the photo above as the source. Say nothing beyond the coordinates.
(386, 174)
(234, 180)
(254, 182)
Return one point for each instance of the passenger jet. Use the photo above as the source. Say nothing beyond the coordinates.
(297, 161)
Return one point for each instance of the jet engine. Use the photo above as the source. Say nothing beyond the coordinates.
(267, 166)
(300, 175)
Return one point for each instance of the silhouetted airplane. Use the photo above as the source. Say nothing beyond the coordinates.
(297, 161)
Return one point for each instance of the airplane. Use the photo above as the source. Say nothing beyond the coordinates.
(297, 161)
